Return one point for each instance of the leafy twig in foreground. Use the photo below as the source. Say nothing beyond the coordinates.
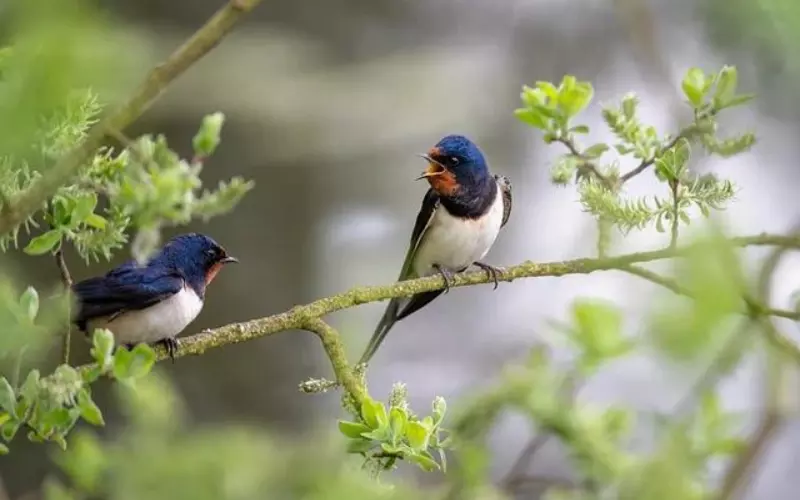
(21, 207)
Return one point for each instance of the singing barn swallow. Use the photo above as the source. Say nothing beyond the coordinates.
(460, 218)
(154, 302)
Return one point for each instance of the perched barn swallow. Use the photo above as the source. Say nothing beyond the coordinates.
(155, 302)
(460, 218)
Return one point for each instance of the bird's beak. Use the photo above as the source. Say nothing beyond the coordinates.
(434, 167)
(228, 260)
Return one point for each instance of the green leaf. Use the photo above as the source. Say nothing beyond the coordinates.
(142, 359)
(207, 139)
(533, 117)
(417, 435)
(9, 429)
(359, 446)
(84, 207)
(548, 89)
(89, 410)
(439, 410)
(96, 221)
(352, 429)
(103, 347)
(30, 302)
(740, 99)
(30, 388)
(43, 243)
(532, 97)
(693, 86)
(8, 400)
(580, 129)
(629, 104)
(3, 449)
(574, 96)
(598, 332)
(374, 414)
(727, 81)
(397, 423)
(424, 460)
(596, 150)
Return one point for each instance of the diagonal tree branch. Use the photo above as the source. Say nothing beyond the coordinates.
(308, 316)
(19, 208)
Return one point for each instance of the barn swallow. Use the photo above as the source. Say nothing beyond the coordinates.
(154, 302)
(460, 218)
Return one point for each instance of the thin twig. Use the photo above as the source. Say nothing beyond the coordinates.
(674, 186)
(586, 162)
(66, 279)
(519, 469)
(22, 206)
(648, 162)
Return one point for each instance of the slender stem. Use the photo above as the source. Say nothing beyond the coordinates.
(586, 162)
(674, 187)
(66, 279)
(22, 206)
(650, 161)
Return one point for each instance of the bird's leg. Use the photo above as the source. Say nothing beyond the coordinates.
(491, 271)
(171, 345)
(446, 274)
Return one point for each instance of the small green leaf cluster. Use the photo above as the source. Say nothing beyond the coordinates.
(145, 186)
(552, 110)
(385, 436)
(49, 407)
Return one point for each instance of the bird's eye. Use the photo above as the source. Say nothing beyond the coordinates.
(454, 161)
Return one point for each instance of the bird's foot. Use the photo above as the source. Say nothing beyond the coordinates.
(171, 345)
(447, 275)
(492, 271)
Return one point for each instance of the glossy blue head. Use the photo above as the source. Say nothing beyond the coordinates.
(196, 255)
(455, 165)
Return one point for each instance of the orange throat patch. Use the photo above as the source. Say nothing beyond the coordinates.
(444, 183)
(212, 272)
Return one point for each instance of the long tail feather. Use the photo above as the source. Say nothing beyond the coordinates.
(392, 315)
(386, 323)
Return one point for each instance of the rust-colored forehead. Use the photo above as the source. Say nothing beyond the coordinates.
(434, 152)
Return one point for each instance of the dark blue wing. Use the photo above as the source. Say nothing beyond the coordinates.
(125, 288)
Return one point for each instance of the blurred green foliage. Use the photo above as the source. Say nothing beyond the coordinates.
(160, 456)
(765, 34)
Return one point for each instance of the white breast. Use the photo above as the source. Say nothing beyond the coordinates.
(168, 318)
(455, 243)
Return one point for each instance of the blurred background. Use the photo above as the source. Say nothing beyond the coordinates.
(326, 105)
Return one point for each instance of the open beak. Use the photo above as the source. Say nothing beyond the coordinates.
(228, 260)
(434, 167)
